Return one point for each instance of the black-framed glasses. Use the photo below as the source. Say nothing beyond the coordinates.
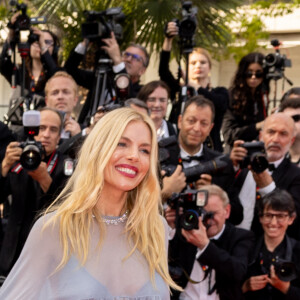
(296, 118)
(280, 217)
(257, 74)
(133, 56)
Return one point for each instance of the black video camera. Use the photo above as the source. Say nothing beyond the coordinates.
(275, 63)
(256, 156)
(187, 26)
(22, 26)
(192, 203)
(33, 151)
(99, 25)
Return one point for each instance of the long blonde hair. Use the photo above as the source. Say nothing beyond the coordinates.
(76, 204)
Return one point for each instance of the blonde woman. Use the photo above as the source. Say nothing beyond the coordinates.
(103, 238)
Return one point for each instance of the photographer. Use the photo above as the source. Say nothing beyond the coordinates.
(133, 61)
(291, 107)
(199, 69)
(212, 260)
(278, 134)
(30, 190)
(274, 270)
(41, 61)
(195, 125)
(248, 101)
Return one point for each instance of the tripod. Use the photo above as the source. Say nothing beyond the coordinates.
(104, 86)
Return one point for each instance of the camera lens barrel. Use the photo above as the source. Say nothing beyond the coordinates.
(189, 219)
(31, 157)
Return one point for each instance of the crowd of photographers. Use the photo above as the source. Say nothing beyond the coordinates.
(229, 169)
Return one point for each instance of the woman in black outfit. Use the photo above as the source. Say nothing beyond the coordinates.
(40, 63)
(265, 281)
(199, 68)
(248, 101)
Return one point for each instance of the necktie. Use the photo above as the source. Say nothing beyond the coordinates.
(271, 167)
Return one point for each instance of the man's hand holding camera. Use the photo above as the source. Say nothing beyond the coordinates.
(238, 154)
(174, 183)
(197, 237)
(42, 176)
(72, 126)
(112, 48)
(12, 155)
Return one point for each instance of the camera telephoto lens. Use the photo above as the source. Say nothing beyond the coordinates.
(259, 162)
(190, 220)
(31, 157)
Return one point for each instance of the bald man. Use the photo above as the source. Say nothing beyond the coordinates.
(278, 134)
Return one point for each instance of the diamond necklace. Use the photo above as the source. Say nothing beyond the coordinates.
(110, 220)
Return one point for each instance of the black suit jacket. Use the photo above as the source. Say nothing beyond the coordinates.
(228, 256)
(286, 177)
(223, 178)
(255, 269)
(27, 199)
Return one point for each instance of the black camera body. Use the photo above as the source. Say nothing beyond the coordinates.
(99, 25)
(256, 156)
(187, 26)
(193, 203)
(33, 151)
(285, 270)
(275, 63)
(23, 24)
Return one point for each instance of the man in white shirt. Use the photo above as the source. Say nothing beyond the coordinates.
(278, 134)
(210, 261)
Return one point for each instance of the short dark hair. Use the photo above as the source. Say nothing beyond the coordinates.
(279, 200)
(150, 87)
(292, 91)
(200, 101)
(289, 103)
(60, 115)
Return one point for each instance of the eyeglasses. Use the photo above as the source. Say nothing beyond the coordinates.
(258, 74)
(134, 57)
(161, 100)
(49, 43)
(268, 217)
(296, 118)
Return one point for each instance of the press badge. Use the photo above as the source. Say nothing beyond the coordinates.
(68, 166)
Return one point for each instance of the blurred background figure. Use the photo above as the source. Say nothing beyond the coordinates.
(248, 101)
(199, 68)
(156, 96)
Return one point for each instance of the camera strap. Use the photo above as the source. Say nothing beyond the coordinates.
(52, 162)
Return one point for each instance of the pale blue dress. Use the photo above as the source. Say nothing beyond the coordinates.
(105, 275)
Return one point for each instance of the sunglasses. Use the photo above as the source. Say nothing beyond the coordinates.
(258, 74)
(49, 42)
(296, 118)
(134, 57)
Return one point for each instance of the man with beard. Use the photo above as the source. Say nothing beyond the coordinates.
(278, 134)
